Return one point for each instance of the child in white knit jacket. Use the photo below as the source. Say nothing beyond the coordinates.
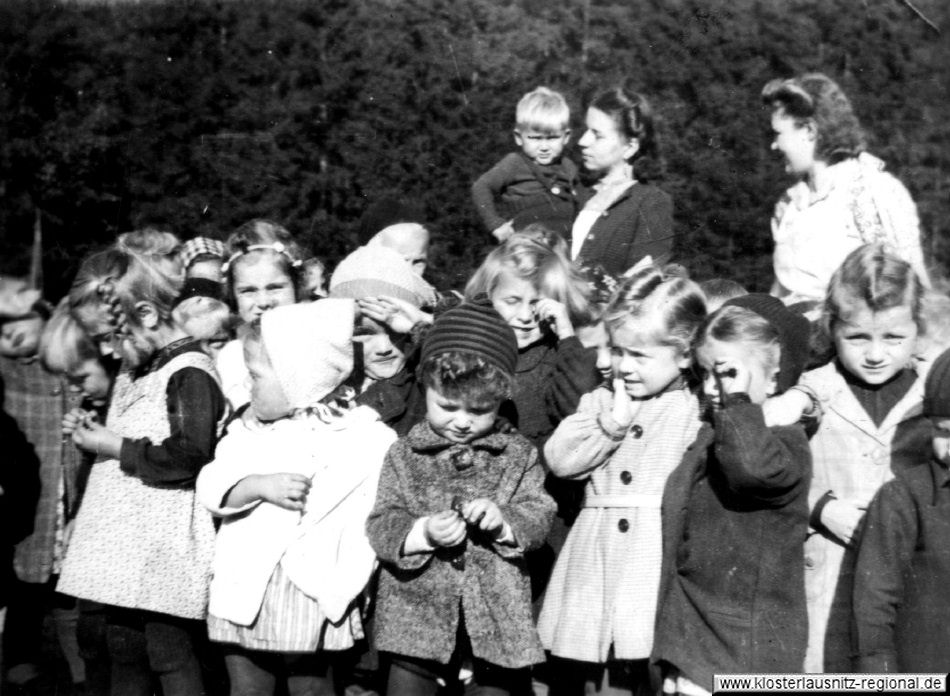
(294, 480)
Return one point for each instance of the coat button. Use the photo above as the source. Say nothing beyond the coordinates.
(55, 391)
(809, 562)
(626, 477)
(623, 525)
(637, 431)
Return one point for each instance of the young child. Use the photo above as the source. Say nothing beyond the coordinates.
(294, 480)
(142, 544)
(902, 576)
(262, 272)
(459, 503)
(201, 312)
(735, 512)
(202, 257)
(536, 184)
(314, 279)
(871, 426)
(601, 601)
(37, 399)
(66, 349)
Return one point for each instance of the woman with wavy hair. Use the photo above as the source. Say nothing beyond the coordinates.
(843, 198)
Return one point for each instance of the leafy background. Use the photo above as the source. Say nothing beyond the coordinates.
(198, 116)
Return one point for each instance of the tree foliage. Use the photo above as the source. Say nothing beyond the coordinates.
(201, 115)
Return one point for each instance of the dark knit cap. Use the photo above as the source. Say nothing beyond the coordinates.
(793, 330)
(474, 328)
(385, 212)
(937, 388)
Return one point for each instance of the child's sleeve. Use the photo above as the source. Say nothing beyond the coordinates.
(195, 407)
(488, 186)
(530, 511)
(390, 522)
(770, 465)
(584, 441)
(575, 374)
(886, 548)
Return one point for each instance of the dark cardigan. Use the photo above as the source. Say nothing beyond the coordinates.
(902, 579)
(735, 514)
(637, 224)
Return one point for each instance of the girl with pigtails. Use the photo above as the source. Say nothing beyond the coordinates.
(142, 545)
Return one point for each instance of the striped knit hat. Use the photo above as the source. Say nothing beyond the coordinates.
(474, 328)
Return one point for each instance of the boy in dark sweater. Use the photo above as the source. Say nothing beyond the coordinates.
(535, 184)
(902, 580)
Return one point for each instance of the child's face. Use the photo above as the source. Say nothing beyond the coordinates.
(941, 439)
(209, 268)
(410, 240)
(540, 146)
(720, 364)
(383, 350)
(92, 379)
(457, 420)
(516, 301)
(20, 338)
(595, 336)
(875, 346)
(315, 285)
(268, 400)
(260, 284)
(645, 366)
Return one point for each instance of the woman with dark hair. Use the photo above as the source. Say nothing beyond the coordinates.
(622, 220)
(843, 198)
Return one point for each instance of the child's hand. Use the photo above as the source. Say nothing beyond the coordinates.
(502, 232)
(399, 315)
(731, 378)
(445, 529)
(556, 315)
(288, 491)
(624, 408)
(786, 409)
(842, 517)
(484, 514)
(73, 420)
(91, 436)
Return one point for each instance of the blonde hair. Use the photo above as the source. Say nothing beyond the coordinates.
(874, 277)
(665, 295)
(542, 109)
(531, 260)
(157, 246)
(203, 317)
(64, 345)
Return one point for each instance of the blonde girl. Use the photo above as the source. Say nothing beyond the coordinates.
(540, 295)
(734, 512)
(142, 545)
(293, 480)
(623, 441)
(870, 397)
(262, 271)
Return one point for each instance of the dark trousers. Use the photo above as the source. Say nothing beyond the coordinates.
(23, 630)
(143, 643)
(258, 673)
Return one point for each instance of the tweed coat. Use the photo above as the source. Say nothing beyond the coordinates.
(136, 545)
(422, 597)
(604, 587)
(853, 458)
(735, 513)
(37, 399)
(639, 223)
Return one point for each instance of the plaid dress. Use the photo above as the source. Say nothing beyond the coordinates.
(603, 591)
(37, 400)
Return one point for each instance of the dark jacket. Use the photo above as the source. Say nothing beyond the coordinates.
(735, 514)
(422, 596)
(638, 223)
(400, 400)
(902, 579)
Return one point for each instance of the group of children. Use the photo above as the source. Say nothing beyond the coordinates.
(557, 479)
